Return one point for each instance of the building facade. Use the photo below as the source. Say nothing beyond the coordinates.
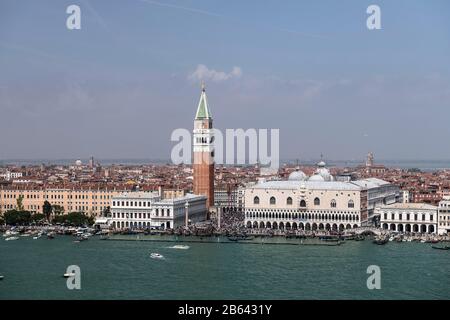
(444, 215)
(90, 201)
(203, 165)
(379, 193)
(8, 175)
(147, 210)
(409, 217)
(229, 199)
(318, 202)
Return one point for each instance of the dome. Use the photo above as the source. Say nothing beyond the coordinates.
(297, 176)
(323, 172)
(316, 177)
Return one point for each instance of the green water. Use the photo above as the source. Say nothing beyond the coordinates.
(33, 269)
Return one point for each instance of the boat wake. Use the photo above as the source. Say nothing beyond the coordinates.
(179, 247)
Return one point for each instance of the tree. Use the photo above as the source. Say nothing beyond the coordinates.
(15, 217)
(20, 203)
(58, 210)
(47, 210)
(38, 217)
(106, 212)
(74, 219)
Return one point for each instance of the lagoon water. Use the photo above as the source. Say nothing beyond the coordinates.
(111, 269)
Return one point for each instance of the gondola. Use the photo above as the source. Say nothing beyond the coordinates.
(441, 248)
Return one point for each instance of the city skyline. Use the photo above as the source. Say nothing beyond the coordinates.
(118, 87)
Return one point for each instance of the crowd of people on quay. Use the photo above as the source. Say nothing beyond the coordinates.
(232, 224)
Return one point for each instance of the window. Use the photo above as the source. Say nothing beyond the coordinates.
(333, 203)
(303, 204)
(289, 201)
(317, 202)
(272, 200)
(256, 200)
(351, 204)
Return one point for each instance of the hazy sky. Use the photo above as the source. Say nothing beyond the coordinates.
(120, 85)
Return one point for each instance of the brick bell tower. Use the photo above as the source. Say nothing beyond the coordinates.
(204, 151)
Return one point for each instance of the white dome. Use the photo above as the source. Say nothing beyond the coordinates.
(323, 172)
(297, 176)
(316, 177)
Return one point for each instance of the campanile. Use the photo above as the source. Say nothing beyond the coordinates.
(204, 151)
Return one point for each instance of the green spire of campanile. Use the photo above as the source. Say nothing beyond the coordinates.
(202, 109)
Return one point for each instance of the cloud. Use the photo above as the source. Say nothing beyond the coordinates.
(203, 73)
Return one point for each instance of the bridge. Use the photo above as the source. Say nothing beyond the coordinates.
(361, 230)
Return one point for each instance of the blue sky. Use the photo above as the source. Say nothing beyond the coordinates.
(120, 85)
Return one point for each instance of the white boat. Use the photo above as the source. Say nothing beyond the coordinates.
(180, 247)
(9, 233)
(1, 277)
(156, 256)
(36, 237)
(11, 238)
(68, 275)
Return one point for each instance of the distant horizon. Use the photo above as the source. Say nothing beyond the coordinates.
(304, 162)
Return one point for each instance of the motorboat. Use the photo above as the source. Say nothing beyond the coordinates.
(329, 238)
(2, 277)
(156, 256)
(68, 275)
(11, 238)
(36, 237)
(82, 237)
